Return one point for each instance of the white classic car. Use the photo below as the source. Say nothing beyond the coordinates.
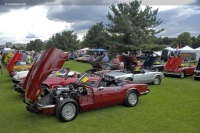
(141, 76)
(18, 76)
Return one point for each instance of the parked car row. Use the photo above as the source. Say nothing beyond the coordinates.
(51, 89)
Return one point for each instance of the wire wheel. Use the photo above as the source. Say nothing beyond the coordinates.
(68, 111)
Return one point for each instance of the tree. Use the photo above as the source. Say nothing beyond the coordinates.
(131, 26)
(184, 39)
(66, 41)
(196, 41)
(36, 45)
(96, 37)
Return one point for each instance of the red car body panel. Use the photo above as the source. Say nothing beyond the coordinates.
(50, 60)
(17, 57)
(52, 80)
(108, 96)
(173, 64)
(173, 67)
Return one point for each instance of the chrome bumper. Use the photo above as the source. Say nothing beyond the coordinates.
(146, 92)
(171, 73)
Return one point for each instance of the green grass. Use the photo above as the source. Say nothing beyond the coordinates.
(171, 107)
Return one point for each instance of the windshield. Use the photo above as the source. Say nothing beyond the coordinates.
(89, 79)
(60, 73)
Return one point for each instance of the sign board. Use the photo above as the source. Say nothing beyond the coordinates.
(188, 56)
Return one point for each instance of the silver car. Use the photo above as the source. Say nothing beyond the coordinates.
(141, 76)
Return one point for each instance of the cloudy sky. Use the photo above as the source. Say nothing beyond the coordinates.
(25, 20)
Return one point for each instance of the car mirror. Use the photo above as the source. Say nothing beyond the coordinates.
(100, 88)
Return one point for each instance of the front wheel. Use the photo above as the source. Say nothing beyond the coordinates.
(182, 75)
(67, 110)
(157, 80)
(131, 99)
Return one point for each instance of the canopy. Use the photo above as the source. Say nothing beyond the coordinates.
(7, 49)
(170, 49)
(197, 48)
(99, 50)
(197, 53)
(186, 48)
(159, 53)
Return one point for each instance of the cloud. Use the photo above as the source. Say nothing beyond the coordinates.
(31, 35)
(179, 20)
(19, 23)
(41, 18)
(85, 14)
(24, 2)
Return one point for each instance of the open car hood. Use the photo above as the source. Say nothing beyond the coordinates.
(128, 60)
(17, 57)
(50, 60)
(96, 64)
(173, 63)
(198, 65)
(149, 61)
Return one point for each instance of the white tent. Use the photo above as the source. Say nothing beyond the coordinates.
(170, 49)
(7, 49)
(186, 49)
(197, 48)
(159, 53)
(197, 53)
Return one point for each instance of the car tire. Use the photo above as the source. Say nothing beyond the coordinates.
(129, 79)
(157, 80)
(182, 74)
(195, 78)
(67, 110)
(131, 99)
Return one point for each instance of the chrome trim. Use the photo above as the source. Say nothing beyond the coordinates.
(40, 106)
(171, 73)
(146, 92)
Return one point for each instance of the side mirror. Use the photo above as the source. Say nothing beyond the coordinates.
(100, 88)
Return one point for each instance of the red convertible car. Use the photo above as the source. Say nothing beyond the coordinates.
(176, 66)
(91, 91)
(58, 78)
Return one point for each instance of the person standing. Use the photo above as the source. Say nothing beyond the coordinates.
(105, 59)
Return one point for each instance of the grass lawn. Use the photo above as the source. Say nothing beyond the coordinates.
(171, 107)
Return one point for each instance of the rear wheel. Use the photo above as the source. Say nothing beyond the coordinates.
(182, 75)
(131, 99)
(157, 80)
(67, 110)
